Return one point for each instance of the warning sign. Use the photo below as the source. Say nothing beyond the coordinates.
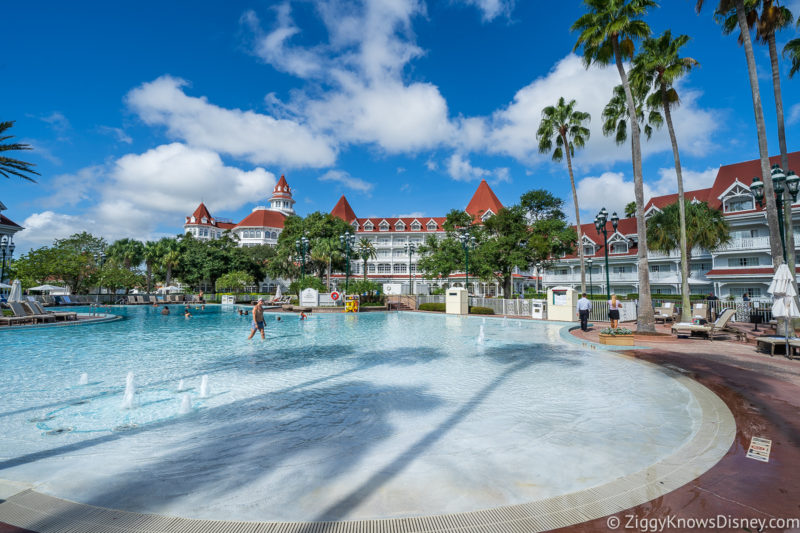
(759, 449)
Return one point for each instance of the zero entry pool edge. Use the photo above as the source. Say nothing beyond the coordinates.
(26, 508)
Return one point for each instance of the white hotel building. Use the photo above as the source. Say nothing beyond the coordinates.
(743, 265)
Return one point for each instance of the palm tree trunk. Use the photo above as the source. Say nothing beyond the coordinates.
(149, 277)
(645, 317)
(685, 303)
(169, 275)
(328, 275)
(365, 270)
(787, 204)
(763, 151)
(577, 214)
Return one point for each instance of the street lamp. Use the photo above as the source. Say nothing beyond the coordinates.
(591, 287)
(600, 223)
(7, 251)
(467, 242)
(781, 182)
(348, 241)
(301, 245)
(410, 249)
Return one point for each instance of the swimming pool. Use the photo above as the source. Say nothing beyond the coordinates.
(338, 417)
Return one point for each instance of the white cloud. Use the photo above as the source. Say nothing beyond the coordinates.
(430, 164)
(667, 182)
(502, 175)
(347, 181)
(461, 169)
(794, 114)
(513, 129)
(414, 214)
(71, 189)
(254, 137)
(491, 9)
(119, 133)
(41, 229)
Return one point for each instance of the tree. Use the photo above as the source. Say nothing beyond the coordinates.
(505, 246)
(772, 19)
(9, 165)
(235, 281)
(151, 255)
(540, 204)
(170, 255)
(366, 251)
(792, 50)
(615, 115)
(705, 228)
(79, 260)
(738, 7)
(607, 33)
(127, 252)
(113, 276)
(658, 66)
(630, 209)
(325, 251)
(550, 236)
(314, 227)
(440, 257)
(566, 124)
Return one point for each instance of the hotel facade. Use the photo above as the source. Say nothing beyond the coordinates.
(743, 265)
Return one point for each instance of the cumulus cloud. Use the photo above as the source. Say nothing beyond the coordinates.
(117, 133)
(794, 114)
(347, 181)
(491, 9)
(414, 214)
(461, 169)
(254, 137)
(139, 192)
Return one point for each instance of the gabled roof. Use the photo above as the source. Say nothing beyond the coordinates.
(263, 217)
(200, 212)
(625, 226)
(439, 221)
(343, 210)
(5, 221)
(660, 202)
(483, 200)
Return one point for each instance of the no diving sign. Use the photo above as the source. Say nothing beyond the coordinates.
(759, 449)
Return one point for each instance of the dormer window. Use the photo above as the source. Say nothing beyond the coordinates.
(619, 248)
(431, 226)
(204, 220)
(193, 219)
(416, 226)
(741, 202)
(212, 221)
(588, 249)
(383, 226)
(400, 226)
(368, 226)
(487, 215)
(355, 225)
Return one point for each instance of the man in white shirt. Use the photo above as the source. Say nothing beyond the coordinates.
(584, 306)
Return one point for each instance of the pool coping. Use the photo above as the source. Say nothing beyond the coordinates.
(97, 319)
(22, 506)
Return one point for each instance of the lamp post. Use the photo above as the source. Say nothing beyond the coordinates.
(301, 245)
(347, 240)
(7, 251)
(467, 242)
(600, 223)
(591, 287)
(788, 182)
(410, 249)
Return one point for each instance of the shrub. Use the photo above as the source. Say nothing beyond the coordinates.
(372, 304)
(432, 307)
(478, 310)
(437, 291)
(236, 280)
(309, 282)
(616, 331)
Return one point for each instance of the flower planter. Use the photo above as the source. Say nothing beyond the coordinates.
(616, 340)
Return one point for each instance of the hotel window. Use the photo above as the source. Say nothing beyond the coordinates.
(204, 220)
(383, 241)
(384, 268)
(399, 253)
(194, 220)
(368, 226)
(738, 203)
(400, 268)
(752, 292)
(588, 249)
(416, 226)
(258, 234)
(621, 269)
(371, 268)
(400, 226)
(383, 226)
(619, 248)
(751, 261)
(431, 226)
(659, 268)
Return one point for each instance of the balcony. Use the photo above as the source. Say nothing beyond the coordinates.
(748, 243)
(670, 276)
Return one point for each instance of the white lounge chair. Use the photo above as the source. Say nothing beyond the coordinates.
(719, 327)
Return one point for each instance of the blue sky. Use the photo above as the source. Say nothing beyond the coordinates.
(137, 112)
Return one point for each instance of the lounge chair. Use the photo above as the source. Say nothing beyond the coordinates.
(132, 300)
(48, 300)
(63, 315)
(22, 310)
(719, 327)
(152, 299)
(140, 300)
(666, 312)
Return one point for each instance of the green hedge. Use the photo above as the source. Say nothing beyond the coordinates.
(477, 310)
(375, 304)
(432, 307)
(473, 310)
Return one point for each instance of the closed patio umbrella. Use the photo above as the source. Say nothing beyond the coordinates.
(278, 293)
(16, 291)
(784, 306)
(47, 288)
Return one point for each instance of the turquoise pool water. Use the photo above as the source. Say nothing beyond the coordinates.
(337, 417)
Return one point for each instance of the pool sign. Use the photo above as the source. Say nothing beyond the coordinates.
(335, 295)
(759, 449)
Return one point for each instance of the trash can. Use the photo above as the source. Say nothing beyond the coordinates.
(456, 301)
(537, 310)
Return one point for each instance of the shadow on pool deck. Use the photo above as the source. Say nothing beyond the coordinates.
(289, 422)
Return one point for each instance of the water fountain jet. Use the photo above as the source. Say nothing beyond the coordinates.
(481, 336)
(205, 390)
(186, 404)
(130, 392)
(84, 380)
(181, 386)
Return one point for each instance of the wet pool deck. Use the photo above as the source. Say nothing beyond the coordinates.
(761, 392)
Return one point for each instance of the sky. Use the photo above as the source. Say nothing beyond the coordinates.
(137, 112)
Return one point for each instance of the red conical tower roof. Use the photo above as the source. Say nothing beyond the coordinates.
(343, 210)
(200, 212)
(482, 201)
(282, 189)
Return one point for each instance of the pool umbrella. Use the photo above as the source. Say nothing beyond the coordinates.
(48, 288)
(4, 286)
(783, 293)
(278, 293)
(16, 291)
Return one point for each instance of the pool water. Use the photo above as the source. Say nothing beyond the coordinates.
(337, 417)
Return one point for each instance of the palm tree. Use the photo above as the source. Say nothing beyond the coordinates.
(169, 252)
(366, 251)
(772, 19)
(706, 228)
(630, 210)
(615, 116)
(128, 252)
(607, 33)
(14, 166)
(738, 7)
(152, 256)
(659, 65)
(567, 126)
(325, 250)
(792, 49)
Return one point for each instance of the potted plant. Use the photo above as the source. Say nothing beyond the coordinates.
(616, 337)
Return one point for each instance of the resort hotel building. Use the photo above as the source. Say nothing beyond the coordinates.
(7, 230)
(742, 266)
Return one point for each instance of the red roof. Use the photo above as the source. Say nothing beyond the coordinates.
(343, 210)
(199, 213)
(8, 222)
(701, 195)
(407, 221)
(263, 217)
(282, 189)
(482, 201)
(625, 226)
(740, 271)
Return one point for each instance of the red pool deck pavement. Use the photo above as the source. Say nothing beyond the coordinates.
(763, 393)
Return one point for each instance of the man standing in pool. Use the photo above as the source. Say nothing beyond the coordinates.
(258, 319)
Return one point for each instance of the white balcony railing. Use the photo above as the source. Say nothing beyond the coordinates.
(670, 276)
